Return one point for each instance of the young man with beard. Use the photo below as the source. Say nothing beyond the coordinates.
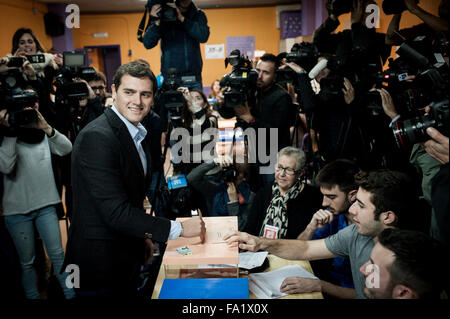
(382, 201)
(405, 264)
(30, 194)
(338, 187)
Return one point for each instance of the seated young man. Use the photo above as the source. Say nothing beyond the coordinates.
(382, 201)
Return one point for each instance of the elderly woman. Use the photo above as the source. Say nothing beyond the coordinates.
(284, 209)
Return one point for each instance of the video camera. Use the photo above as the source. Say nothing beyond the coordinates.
(303, 54)
(15, 100)
(167, 13)
(241, 81)
(172, 99)
(67, 90)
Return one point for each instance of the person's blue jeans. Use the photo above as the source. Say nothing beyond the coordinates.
(21, 230)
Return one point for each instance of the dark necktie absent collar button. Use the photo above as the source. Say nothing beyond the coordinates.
(148, 235)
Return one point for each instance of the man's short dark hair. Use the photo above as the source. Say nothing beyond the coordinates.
(339, 173)
(390, 191)
(417, 261)
(99, 76)
(136, 70)
(269, 57)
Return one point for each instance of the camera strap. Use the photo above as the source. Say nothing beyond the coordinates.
(142, 26)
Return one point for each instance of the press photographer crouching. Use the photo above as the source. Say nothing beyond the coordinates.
(231, 196)
(30, 194)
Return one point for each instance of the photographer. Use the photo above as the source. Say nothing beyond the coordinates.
(181, 32)
(30, 195)
(431, 26)
(89, 109)
(231, 196)
(273, 107)
(434, 167)
(26, 45)
(98, 85)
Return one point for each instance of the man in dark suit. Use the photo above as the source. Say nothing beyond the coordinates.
(111, 170)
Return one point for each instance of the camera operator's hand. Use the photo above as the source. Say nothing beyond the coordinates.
(297, 68)
(387, 103)
(224, 161)
(438, 146)
(349, 91)
(58, 58)
(243, 112)
(41, 123)
(156, 9)
(357, 11)
(186, 94)
(232, 192)
(4, 64)
(4, 117)
(180, 16)
(92, 94)
(28, 70)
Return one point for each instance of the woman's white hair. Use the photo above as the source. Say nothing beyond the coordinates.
(296, 153)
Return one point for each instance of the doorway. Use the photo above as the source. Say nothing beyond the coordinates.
(105, 58)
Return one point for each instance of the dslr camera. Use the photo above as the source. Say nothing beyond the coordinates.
(172, 99)
(15, 100)
(167, 14)
(241, 81)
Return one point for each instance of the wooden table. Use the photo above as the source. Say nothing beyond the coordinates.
(274, 263)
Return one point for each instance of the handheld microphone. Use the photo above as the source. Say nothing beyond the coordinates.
(322, 64)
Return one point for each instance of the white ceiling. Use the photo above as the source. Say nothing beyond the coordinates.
(108, 6)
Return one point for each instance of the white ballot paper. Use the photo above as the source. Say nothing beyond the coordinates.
(247, 260)
(266, 285)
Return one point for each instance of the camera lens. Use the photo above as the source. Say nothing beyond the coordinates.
(412, 131)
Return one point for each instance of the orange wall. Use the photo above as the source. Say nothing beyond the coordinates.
(259, 22)
(122, 28)
(19, 14)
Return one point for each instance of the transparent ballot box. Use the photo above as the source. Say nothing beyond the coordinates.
(190, 258)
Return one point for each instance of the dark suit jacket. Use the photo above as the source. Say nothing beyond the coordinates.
(109, 224)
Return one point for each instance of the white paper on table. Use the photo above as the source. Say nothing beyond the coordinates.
(266, 285)
(249, 260)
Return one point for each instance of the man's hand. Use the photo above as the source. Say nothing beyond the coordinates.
(4, 117)
(349, 91)
(193, 227)
(243, 112)
(357, 11)
(42, 124)
(387, 103)
(437, 147)
(298, 285)
(320, 219)
(156, 9)
(180, 16)
(92, 94)
(411, 5)
(244, 240)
